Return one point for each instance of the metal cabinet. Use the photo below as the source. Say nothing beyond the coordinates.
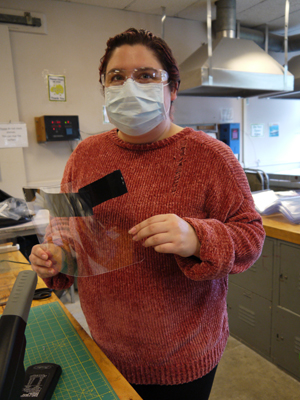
(286, 310)
(286, 341)
(250, 318)
(249, 302)
(259, 278)
(264, 305)
(287, 291)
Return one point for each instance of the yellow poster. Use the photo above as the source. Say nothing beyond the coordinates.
(57, 88)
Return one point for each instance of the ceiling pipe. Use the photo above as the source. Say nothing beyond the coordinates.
(266, 39)
(225, 22)
(163, 20)
(225, 25)
(275, 42)
(286, 28)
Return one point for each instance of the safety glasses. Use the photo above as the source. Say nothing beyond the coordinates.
(118, 77)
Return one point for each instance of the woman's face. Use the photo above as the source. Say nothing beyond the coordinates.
(137, 56)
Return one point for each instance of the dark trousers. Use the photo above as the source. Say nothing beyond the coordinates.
(195, 390)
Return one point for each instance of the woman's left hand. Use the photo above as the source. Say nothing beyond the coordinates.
(168, 233)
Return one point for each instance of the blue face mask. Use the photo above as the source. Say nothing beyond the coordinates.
(135, 108)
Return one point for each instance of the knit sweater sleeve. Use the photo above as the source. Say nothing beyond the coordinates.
(232, 236)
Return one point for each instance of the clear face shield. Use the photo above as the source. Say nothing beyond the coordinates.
(85, 230)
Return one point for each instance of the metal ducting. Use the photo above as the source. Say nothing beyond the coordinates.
(294, 67)
(230, 67)
(275, 42)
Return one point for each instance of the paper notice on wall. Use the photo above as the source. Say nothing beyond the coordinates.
(226, 114)
(13, 135)
(257, 130)
(57, 87)
(273, 130)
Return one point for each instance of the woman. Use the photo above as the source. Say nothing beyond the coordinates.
(163, 321)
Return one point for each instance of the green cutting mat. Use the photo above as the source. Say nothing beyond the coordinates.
(52, 338)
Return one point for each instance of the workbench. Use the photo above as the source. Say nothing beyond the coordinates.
(120, 386)
(278, 227)
(264, 301)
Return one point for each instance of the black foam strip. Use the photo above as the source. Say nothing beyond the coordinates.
(81, 204)
(106, 188)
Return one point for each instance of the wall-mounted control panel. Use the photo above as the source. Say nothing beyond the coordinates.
(230, 134)
(57, 128)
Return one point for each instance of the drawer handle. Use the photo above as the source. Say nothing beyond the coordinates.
(283, 278)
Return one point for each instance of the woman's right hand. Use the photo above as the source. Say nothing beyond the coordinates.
(46, 260)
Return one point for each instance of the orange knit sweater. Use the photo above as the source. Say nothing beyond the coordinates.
(164, 320)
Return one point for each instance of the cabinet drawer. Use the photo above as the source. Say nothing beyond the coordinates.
(250, 318)
(258, 278)
(286, 341)
(289, 276)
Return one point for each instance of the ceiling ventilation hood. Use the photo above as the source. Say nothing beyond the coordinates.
(230, 67)
(294, 67)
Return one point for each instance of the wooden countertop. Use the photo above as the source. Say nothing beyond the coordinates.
(278, 227)
(122, 388)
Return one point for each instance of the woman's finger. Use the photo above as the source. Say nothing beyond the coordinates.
(39, 258)
(157, 240)
(148, 222)
(42, 261)
(40, 251)
(168, 233)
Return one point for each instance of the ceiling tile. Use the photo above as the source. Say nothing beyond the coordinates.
(197, 11)
(242, 5)
(250, 13)
(265, 12)
(277, 26)
(172, 7)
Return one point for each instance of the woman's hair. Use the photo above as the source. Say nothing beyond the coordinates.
(159, 47)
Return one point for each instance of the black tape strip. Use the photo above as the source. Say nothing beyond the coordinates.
(81, 204)
(106, 188)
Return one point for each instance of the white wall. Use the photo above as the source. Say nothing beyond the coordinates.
(266, 150)
(12, 173)
(75, 41)
(197, 110)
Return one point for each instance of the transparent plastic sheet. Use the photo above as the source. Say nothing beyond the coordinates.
(82, 238)
(268, 202)
(291, 210)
